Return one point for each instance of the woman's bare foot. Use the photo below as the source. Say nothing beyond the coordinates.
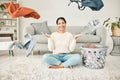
(71, 67)
(58, 66)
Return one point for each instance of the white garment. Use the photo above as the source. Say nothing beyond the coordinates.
(61, 42)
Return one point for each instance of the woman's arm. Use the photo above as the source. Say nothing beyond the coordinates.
(51, 46)
(72, 43)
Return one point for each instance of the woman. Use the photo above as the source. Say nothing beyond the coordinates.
(61, 43)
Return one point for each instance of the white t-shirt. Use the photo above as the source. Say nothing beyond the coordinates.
(61, 42)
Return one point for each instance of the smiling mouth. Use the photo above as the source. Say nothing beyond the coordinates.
(62, 26)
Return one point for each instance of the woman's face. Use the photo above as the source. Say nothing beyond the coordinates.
(61, 25)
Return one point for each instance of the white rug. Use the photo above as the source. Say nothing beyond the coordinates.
(32, 68)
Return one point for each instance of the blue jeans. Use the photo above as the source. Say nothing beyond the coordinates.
(67, 59)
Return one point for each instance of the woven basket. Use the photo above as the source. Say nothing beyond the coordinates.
(94, 58)
(115, 31)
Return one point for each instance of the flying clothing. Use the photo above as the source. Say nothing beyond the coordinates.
(28, 45)
(16, 11)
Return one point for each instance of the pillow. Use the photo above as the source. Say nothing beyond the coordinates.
(41, 27)
(86, 30)
(91, 27)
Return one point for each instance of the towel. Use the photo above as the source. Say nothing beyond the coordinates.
(16, 11)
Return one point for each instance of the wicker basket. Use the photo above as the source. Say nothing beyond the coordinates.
(115, 31)
(94, 58)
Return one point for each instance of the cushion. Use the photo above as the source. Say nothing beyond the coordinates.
(41, 27)
(86, 30)
(29, 30)
(41, 39)
(91, 27)
(88, 38)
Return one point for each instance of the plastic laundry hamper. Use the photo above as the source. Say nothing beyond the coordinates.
(94, 58)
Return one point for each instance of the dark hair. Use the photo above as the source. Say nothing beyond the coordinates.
(59, 19)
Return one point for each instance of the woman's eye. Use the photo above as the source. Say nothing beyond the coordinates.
(58, 23)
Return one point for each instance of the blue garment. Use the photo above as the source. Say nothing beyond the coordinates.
(94, 5)
(28, 45)
(66, 58)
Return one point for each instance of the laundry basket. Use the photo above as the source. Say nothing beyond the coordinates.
(94, 58)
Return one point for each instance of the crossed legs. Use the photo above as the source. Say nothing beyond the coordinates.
(61, 60)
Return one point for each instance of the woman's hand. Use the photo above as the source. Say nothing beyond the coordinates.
(77, 36)
(47, 35)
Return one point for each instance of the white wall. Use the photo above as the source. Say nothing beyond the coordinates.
(51, 9)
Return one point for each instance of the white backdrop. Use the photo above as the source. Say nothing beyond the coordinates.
(51, 9)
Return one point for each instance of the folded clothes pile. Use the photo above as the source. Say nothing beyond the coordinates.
(89, 45)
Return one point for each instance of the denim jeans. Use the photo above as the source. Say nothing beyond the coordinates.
(66, 58)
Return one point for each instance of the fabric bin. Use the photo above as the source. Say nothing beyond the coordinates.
(94, 58)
